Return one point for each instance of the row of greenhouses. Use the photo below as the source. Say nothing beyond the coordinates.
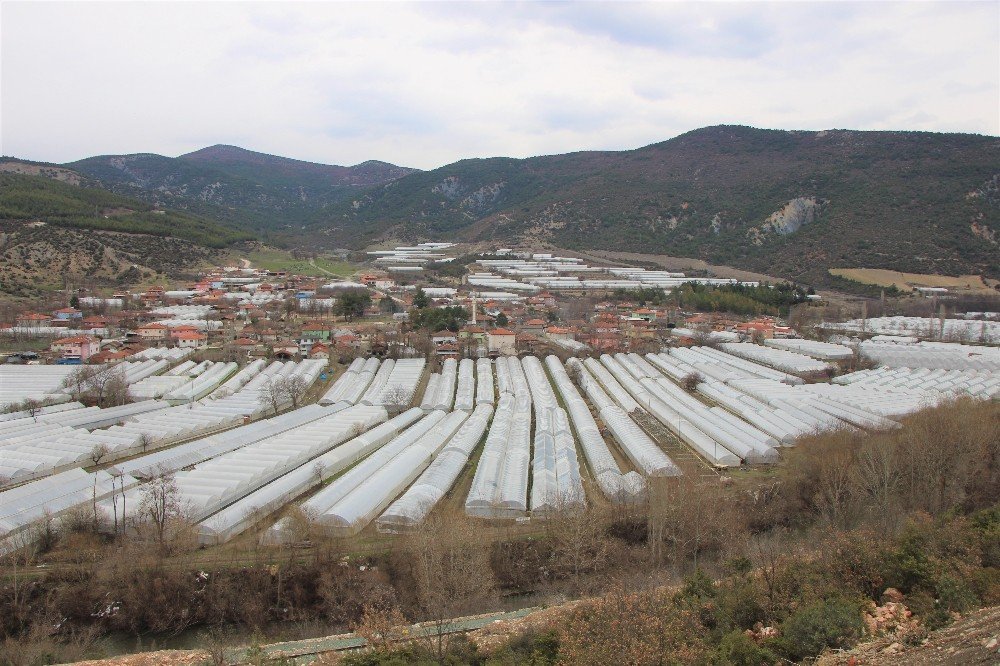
(556, 482)
(933, 356)
(616, 485)
(220, 481)
(773, 357)
(500, 485)
(236, 457)
(975, 383)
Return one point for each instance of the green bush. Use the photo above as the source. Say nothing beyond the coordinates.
(831, 623)
(532, 648)
(738, 649)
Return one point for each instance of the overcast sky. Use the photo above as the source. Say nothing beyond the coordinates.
(426, 84)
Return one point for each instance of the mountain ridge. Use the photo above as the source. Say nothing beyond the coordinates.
(785, 202)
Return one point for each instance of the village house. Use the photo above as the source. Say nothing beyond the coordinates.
(67, 315)
(527, 342)
(560, 333)
(442, 337)
(447, 350)
(502, 342)
(286, 350)
(109, 355)
(319, 351)
(32, 320)
(346, 339)
(763, 328)
(603, 341)
(184, 329)
(77, 348)
(93, 322)
(153, 333)
(533, 326)
(315, 332)
(605, 323)
(189, 339)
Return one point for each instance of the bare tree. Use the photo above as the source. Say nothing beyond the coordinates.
(98, 453)
(294, 389)
(691, 381)
(452, 567)
(33, 407)
(104, 387)
(382, 624)
(160, 505)
(270, 396)
(578, 543)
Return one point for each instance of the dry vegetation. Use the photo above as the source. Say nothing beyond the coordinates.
(907, 281)
(766, 566)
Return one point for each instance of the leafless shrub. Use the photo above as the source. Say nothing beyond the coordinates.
(691, 381)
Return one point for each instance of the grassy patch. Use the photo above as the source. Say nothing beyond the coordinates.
(282, 260)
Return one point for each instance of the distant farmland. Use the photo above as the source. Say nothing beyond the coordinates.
(907, 281)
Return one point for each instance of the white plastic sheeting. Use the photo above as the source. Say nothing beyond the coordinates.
(650, 398)
(41, 411)
(484, 382)
(615, 485)
(465, 393)
(500, 486)
(359, 507)
(779, 359)
(963, 330)
(715, 364)
(357, 478)
(239, 380)
(206, 381)
(255, 507)
(917, 381)
(172, 354)
(824, 351)
(747, 442)
(444, 392)
(220, 481)
(401, 384)
(34, 447)
(75, 415)
(33, 382)
(632, 439)
(933, 356)
(379, 383)
(412, 509)
(430, 392)
(556, 483)
(191, 453)
(351, 386)
(503, 377)
(31, 503)
(609, 384)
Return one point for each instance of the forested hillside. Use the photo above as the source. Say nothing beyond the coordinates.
(786, 203)
(792, 204)
(263, 193)
(41, 199)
